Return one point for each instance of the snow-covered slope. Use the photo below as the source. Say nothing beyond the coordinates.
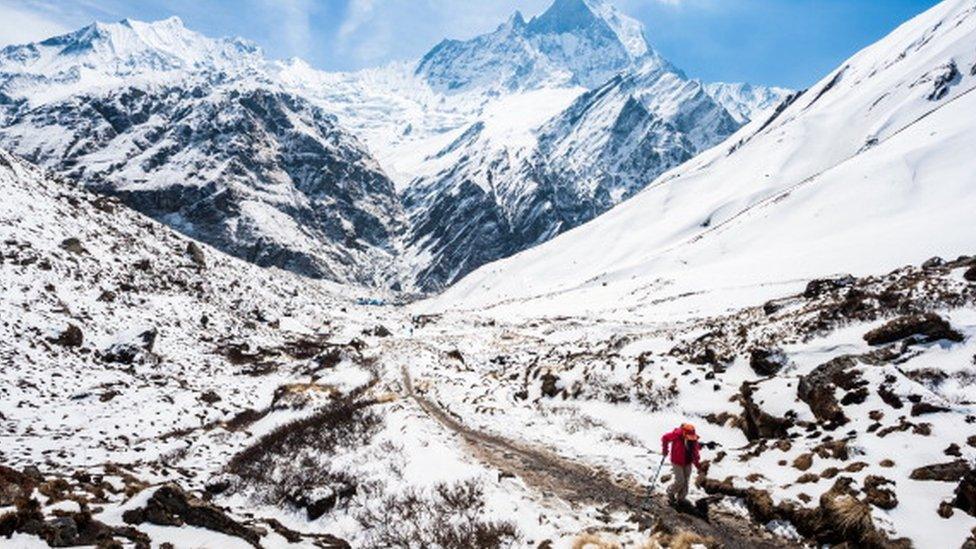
(194, 132)
(868, 170)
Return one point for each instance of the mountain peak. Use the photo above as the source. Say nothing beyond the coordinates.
(592, 16)
(129, 47)
(574, 42)
(516, 21)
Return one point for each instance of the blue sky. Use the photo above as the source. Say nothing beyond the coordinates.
(775, 42)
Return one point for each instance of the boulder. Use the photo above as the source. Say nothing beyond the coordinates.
(767, 362)
(970, 275)
(758, 424)
(72, 336)
(196, 255)
(171, 506)
(925, 408)
(73, 245)
(966, 493)
(818, 387)
(946, 472)
(550, 385)
(922, 328)
(132, 350)
(818, 287)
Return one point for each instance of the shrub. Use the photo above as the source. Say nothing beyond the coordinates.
(449, 516)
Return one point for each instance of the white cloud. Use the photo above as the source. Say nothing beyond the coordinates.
(376, 30)
(23, 24)
(294, 23)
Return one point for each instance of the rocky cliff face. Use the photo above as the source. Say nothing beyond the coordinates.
(223, 155)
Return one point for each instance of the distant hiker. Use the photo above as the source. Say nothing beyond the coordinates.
(683, 447)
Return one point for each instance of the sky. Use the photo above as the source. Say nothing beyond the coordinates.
(790, 43)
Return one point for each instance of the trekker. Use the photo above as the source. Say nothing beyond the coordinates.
(683, 447)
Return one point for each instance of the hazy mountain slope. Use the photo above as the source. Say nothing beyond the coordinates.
(191, 131)
(864, 172)
(744, 101)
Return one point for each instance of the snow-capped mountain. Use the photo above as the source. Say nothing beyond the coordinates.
(429, 170)
(539, 162)
(574, 42)
(866, 171)
(193, 132)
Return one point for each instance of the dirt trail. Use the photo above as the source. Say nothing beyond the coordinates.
(573, 482)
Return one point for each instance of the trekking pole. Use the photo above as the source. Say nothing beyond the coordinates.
(650, 491)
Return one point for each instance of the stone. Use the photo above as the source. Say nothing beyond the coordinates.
(196, 255)
(946, 472)
(72, 336)
(767, 362)
(922, 328)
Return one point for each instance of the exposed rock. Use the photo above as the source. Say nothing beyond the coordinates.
(817, 389)
(767, 362)
(171, 506)
(970, 275)
(816, 288)
(878, 494)
(74, 246)
(924, 408)
(933, 263)
(70, 337)
(378, 331)
(921, 328)
(966, 493)
(196, 255)
(130, 352)
(550, 385)
(946, 472)
(210, 397)
(757, 424)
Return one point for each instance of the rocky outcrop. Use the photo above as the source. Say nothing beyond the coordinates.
(817, 389)
(72, 336)
(756, 423)
(944, 472)
(171, 506)
(134, 350)
(767, 362)
(965, 494)
(921, 328)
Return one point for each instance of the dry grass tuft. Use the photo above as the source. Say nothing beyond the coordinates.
(594, 541)
(681, 540)
(851, 516)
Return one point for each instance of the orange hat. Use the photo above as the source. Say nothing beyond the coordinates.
(689, 431)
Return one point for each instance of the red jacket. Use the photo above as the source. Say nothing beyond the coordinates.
(673, 444)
